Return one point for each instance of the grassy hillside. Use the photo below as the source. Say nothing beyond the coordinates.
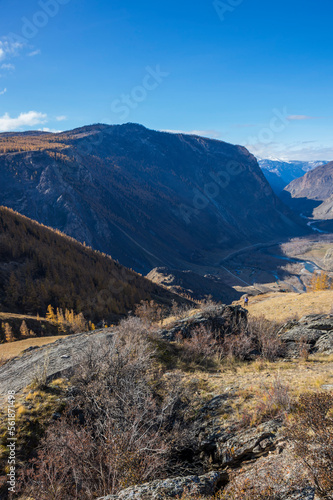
(283, 306)
(39, 266)
(12, 349)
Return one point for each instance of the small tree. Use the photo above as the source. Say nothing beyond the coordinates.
(9, 336)
(50, 313)
(24, 330)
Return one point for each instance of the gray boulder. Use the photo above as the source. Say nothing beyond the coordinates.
(314, 332)
(173, 487)
(222, 320)
(248, 445)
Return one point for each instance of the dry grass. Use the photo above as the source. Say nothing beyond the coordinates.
(283, 306)
(8, 316)
(12, 349)
(247, 383)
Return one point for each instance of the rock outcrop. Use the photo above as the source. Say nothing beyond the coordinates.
(313, 332)
(222, 320)
(173, 488)
(328, 260)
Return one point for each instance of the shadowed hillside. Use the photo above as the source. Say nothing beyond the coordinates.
(39, 266)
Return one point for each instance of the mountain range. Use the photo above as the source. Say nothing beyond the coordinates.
(280, 173)
(147, 198)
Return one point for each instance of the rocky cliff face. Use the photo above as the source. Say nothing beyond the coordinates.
(280, 173)
(313, 192)
(147, 198)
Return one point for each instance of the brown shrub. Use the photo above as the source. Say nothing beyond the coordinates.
(273, 401)
(311, 432)
(238, 346)
(121, 427)
(201, 347)
(265, 336)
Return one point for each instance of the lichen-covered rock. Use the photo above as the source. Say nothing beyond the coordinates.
(222, 320)
(314, 331)
(247, 445)
(230, 446)
(172, 488)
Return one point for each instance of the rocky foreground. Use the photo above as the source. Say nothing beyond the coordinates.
(234, 452)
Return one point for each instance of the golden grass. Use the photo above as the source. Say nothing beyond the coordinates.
(247, 383)
(173, 318)
(12, 349)
(7, 316)
(283, 306)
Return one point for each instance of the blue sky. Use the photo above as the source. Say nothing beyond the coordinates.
(250, 72)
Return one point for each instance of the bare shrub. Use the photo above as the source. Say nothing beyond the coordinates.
(265, 336)
(180, 311)
(150, 311)
(272, 401)
(277, 399)
(303, 349)
(40, 376)
(201, 346)
(123, 426)
(238, 346)
(208, 305)
(311, 432)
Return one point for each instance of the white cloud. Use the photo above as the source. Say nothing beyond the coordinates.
(9, 48)
(34, 53)
(51, 130)
(2, 92)
(30, 119)
(204, 133)
(9, 67)
(300, 117)
(61, 118)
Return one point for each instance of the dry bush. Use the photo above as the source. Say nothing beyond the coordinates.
(180, 311)
(276, 400)
(238, 346)
(121, 427)
(265, 336)
(40, 376)
(303, 349)
(150, 311)
(201, 347)
(311, 432)
(208, 305)
(272, 402)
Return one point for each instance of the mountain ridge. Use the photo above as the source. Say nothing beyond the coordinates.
(313, 192)
(147, 198)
